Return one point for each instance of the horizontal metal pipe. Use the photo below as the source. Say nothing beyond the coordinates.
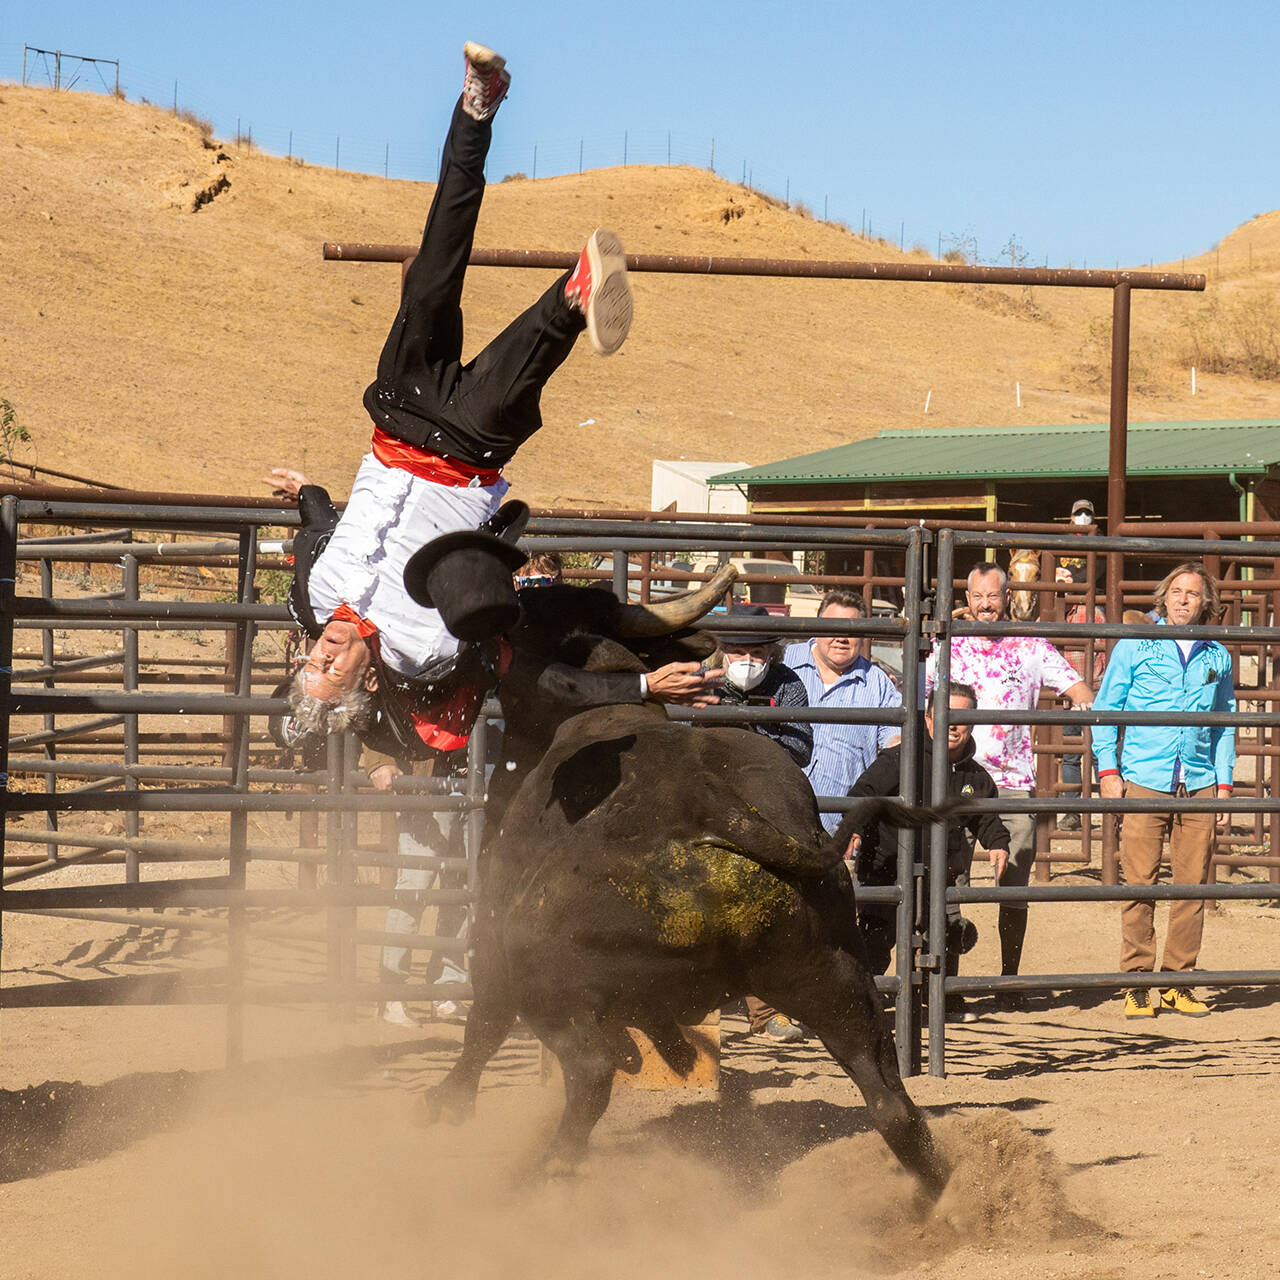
(58, 702)
(53, 549)
(1070, 543)
(51, 736)
(139, 624)
(192, 893)
(188, 988)
(197, 801)
(846, 519)
(801, 268)
(1078, 632)
(1115, 893)
(259, 929)
(993, 715)
(1110, 981)
(220, 612)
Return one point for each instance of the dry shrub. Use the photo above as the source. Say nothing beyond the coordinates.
(1239, 336)
(1094, 361)
(198, 122)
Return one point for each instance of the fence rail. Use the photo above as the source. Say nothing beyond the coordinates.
(79, 721)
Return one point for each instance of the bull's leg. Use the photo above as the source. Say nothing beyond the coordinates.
(588, 1062)
(493, 1014)
(836, 996)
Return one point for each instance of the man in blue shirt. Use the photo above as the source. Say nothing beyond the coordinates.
(835, 674)
(1167, 760)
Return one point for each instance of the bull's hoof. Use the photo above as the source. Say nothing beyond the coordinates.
(560, 1167)
(437, 1105)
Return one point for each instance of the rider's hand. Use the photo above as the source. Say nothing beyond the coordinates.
(285, 482)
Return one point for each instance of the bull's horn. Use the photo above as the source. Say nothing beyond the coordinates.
(671, 615)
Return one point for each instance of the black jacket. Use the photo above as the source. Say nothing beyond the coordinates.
(781, 687)
(877, 859)
(319, 519)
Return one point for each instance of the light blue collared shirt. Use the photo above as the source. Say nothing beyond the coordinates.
(842, 751)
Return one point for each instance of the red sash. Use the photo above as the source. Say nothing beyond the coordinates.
(429, 466)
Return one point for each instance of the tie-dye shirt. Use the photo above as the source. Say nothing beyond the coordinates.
(1007, 674)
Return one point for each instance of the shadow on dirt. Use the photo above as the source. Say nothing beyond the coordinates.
(63, 1124)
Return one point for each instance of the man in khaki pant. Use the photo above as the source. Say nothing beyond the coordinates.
(1160, 761)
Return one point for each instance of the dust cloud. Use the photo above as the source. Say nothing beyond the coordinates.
(345, 1183)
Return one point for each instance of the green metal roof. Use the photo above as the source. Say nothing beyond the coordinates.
(1246, 446)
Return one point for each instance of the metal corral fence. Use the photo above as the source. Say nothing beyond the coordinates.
(96, 729)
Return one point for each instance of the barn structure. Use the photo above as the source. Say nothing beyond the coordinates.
(1208, 472)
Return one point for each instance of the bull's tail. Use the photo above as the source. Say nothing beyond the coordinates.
(872, 810)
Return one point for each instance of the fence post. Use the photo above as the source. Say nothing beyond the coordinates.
(8, 579)
(937, 868)
(907, 1006)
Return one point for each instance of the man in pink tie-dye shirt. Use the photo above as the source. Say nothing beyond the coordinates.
(1008, 673)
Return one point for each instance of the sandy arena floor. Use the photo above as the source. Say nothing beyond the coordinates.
(1085, 1146)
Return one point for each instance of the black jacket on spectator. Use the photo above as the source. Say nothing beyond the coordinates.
(877, 859)
(781, 687)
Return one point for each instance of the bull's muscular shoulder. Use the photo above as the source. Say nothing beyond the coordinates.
(617, 774)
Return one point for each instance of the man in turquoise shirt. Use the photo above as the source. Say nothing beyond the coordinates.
(1167, 760)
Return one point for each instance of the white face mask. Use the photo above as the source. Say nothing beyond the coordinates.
(746, 673)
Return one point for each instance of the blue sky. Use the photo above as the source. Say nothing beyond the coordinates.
(1091, 132)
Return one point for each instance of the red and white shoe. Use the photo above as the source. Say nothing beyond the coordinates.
(486, 82)
(599, 289)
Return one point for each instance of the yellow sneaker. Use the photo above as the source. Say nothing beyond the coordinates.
(1137, 1003)
(1180, 1000)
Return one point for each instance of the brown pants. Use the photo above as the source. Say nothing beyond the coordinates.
(759, 1013)
(1142, 836)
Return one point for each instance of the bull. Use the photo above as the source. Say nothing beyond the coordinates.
(645, 872)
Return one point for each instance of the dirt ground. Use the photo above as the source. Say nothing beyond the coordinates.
(1084, 1146)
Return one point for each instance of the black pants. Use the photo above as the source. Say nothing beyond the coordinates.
(481, 412)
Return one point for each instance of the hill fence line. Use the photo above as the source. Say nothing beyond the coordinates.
(544, 158)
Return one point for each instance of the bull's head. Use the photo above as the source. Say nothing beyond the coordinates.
(571, 645)
(590, 627)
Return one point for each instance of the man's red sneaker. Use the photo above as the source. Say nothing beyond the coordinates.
(599, 289)
(486, 81)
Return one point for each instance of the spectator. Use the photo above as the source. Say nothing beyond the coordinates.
(754, 676)
(836, 674)
(1007, 673)
(1162, 761)
(542, 569)
(875, 849)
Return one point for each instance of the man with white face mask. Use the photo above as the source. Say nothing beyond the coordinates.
(755, 676)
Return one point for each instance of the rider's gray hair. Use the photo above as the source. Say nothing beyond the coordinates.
(354, 710)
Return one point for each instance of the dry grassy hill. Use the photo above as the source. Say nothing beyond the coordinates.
(169, 323)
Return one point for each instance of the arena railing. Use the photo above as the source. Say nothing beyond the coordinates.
(119, 740)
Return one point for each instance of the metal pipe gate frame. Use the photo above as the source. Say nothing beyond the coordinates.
(920, 896)
(920, 967)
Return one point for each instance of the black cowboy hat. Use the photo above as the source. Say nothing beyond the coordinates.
(748, 637)
(466, 575)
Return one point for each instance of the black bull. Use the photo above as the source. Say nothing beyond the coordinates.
(645, 873)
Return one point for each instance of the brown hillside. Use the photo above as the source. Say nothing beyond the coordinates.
(169, 323)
